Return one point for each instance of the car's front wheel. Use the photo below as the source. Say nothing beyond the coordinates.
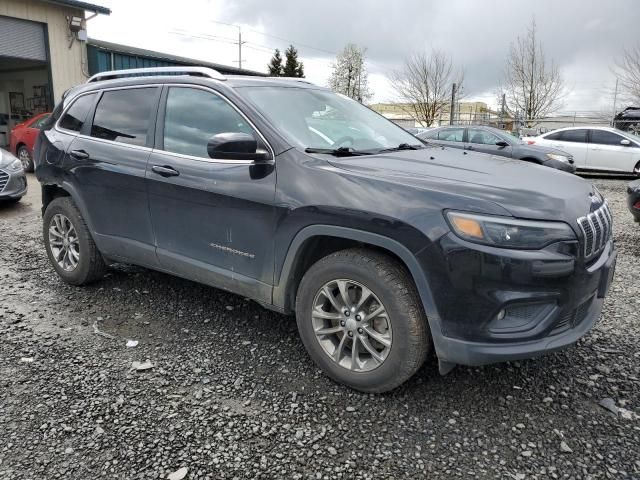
(69, 245)
(361, 320)
(25, 158)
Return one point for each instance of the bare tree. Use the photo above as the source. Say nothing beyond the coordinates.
(627, 69)
(349, 75)
(424, 84)
(532, 86)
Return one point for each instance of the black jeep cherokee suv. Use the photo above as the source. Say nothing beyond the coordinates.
(308, 202)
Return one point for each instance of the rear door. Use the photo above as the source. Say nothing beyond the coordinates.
(480, 140)
(573, 141)
(107, 163)
(450, 136)
(213, 219)
(607, 153)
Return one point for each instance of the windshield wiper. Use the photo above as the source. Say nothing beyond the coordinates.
(402, 146)
(337, 152)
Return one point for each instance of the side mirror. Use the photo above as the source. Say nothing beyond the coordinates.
(235, 146)
(502, 143)
(625, 142)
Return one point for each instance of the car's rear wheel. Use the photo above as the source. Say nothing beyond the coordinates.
(25, 158)
(361, 320)
(636, 170)
(69, 245)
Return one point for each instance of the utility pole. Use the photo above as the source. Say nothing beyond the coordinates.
(615, 98)
(453, 101)
(502, 109)
(239, 48)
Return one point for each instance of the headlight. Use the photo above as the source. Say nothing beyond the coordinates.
(508, 232)
(9, 162)
(560, 158)
(14, 166)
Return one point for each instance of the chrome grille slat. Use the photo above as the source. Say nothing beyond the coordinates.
(4, 179)
(597, 229)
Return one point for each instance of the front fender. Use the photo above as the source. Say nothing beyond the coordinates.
(411, 263)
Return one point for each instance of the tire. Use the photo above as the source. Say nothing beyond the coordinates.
(25, 157)
(404, 324)
(89, 264)
(636, 170)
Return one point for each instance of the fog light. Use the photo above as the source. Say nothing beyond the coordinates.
(501, 314)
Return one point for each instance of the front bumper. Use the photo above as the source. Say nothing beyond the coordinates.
(499, 305)
(15, 185)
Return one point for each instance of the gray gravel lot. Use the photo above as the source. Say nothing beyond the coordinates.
(232, 393)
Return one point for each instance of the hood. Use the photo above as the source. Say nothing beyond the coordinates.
(524, 189)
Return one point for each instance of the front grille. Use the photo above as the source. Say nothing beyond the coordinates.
(4, 179)
(596, 230)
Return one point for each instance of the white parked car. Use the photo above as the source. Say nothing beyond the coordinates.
(595, 148)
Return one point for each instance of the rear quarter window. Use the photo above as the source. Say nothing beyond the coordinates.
(75, 116)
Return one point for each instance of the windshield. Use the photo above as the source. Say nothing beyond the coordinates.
(320, 119)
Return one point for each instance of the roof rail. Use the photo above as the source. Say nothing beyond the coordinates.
(193, 71)
(292, 79)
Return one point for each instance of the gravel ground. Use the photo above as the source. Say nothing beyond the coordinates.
(232, 394)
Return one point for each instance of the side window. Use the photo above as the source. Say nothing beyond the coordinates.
(193, 116)
(576, 136)
(123, 115)
(451, 134)
(481, 137)
(603, 137)
(75, 116)
(553, 136)
(40, 122)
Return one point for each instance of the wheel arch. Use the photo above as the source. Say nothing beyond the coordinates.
(51, 191)
(302, 253)
(18, 145)
(532, 160)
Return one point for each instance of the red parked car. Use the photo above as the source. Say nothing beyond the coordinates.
(23, 138)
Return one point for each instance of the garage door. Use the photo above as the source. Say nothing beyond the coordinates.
(22, 39)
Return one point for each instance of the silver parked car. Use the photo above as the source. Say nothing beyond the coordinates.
(13, 181)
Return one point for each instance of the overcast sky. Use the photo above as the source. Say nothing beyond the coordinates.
(583, 37)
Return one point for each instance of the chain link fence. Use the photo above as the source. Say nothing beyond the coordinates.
(628, 121)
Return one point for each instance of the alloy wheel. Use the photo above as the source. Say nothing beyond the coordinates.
(351, 325)
(63, 242)
(23, 156)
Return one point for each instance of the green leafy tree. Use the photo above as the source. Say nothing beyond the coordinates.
(292, 67)
(275, 65)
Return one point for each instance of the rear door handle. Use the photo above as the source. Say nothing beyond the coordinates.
(165, 171)
(79, 154)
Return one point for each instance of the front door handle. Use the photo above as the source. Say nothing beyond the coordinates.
(165, 171)
(79, 154)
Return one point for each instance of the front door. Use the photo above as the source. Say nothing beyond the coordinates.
(213, 219)
(607, 153)
(108, 161)
(480, 140)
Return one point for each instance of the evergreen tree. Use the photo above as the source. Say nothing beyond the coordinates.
(275, 65)
(292, 67)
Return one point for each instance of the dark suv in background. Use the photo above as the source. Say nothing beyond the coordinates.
(308, 202)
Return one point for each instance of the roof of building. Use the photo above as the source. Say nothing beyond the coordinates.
(125, 49)
(82, 5)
